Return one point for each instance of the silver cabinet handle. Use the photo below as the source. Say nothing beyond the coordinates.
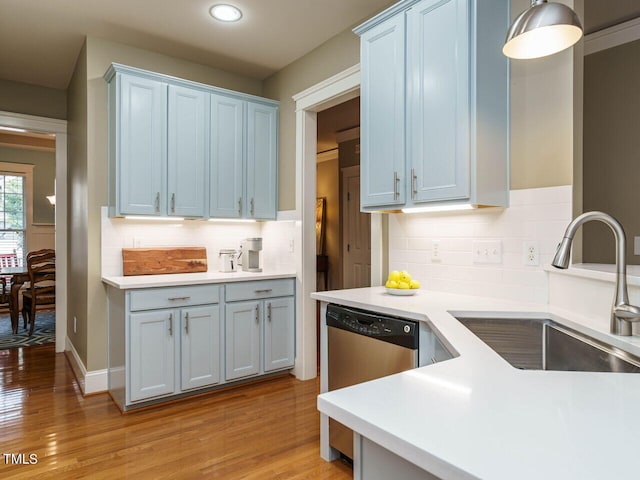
(414, 184)
(257, 313)
(173, 203)
(266, 290)
(396, 182)
(186, 323)
(158, 202)
(252, 207)
(171, 324)
(173, 299)
(269, 311)
(240, 206)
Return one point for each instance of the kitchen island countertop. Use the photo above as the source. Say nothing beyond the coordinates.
(177, 279)
(476, 416)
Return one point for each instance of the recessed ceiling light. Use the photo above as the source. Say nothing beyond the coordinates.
(225, 13)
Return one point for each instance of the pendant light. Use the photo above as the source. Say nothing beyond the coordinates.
(543, 29)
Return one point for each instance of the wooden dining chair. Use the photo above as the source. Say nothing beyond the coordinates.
(7, 260)
(41, 267)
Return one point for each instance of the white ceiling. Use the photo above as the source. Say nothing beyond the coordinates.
(40, 40)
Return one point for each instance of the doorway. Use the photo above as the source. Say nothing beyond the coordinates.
(344, 240)
(57, 129)
(326, 94)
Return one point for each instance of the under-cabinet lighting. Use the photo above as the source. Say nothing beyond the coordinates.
(438, 208)
(232, 220)
(161, 219)
(12, 129)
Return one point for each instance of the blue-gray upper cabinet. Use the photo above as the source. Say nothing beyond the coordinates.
(188, 121)
(227, 157)
(137, 124)
(456, 107)
(185, 149)
(382, 114)
(262, 161)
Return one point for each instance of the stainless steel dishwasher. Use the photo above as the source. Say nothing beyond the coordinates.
(363, 346)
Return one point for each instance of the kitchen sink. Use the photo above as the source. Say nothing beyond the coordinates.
(543, 344)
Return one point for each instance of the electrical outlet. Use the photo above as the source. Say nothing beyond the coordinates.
(636, 245)
(435, 251)
(487, 251)
(291, 245)
(531, 252)
(75, 324)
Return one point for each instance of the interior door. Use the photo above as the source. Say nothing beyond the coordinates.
(356, 237)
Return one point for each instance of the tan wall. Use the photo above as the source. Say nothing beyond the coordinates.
(44, 174)
(541, 117)
(333, 56)
(33, 100)
(100, 54)
(328, 180)
(611, 148)
(77, 246)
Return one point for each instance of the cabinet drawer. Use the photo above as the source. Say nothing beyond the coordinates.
(170, 297)
(259, 289)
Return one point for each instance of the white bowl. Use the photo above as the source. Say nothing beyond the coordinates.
(401, 291)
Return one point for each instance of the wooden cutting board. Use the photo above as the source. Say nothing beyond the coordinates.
(156, 261)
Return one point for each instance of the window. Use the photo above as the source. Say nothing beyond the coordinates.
(12, 214)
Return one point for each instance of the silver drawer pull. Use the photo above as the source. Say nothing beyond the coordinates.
(171, 324)
(186, 323)
(173, 203)
(173, 299)
(266, 290)
(269, 311)
(240, 206)
(258, 313)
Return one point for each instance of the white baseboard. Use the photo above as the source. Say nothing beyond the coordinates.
(90, 382)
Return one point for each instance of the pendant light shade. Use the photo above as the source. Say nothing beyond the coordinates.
(543, 29)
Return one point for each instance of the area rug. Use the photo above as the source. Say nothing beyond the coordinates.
(43, 333)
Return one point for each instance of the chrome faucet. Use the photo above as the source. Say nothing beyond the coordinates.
(622, 313)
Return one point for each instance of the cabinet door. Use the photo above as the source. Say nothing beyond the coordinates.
(262, 161)
(383, 114)
(227, 157)
(142, 153)
(438, 100)
(187, 151)
(200, 333)
(151, 351)
(279, 334)
(242, 339)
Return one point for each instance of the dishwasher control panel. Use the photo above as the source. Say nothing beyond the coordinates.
(386, 328)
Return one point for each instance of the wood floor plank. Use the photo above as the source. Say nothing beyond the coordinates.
(265, 431)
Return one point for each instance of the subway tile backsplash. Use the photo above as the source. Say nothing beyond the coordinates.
(537, 215)
(119, 233)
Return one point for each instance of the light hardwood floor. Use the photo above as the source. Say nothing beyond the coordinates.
(264, 431)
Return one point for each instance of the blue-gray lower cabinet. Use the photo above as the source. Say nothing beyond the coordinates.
(242, 339)
(260, 327)
(200, 346)
(152, 362)
(166, 342)
(279, 338)
(170, 342)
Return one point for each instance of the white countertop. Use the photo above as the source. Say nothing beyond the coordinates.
(172, 280)
(476, 416)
